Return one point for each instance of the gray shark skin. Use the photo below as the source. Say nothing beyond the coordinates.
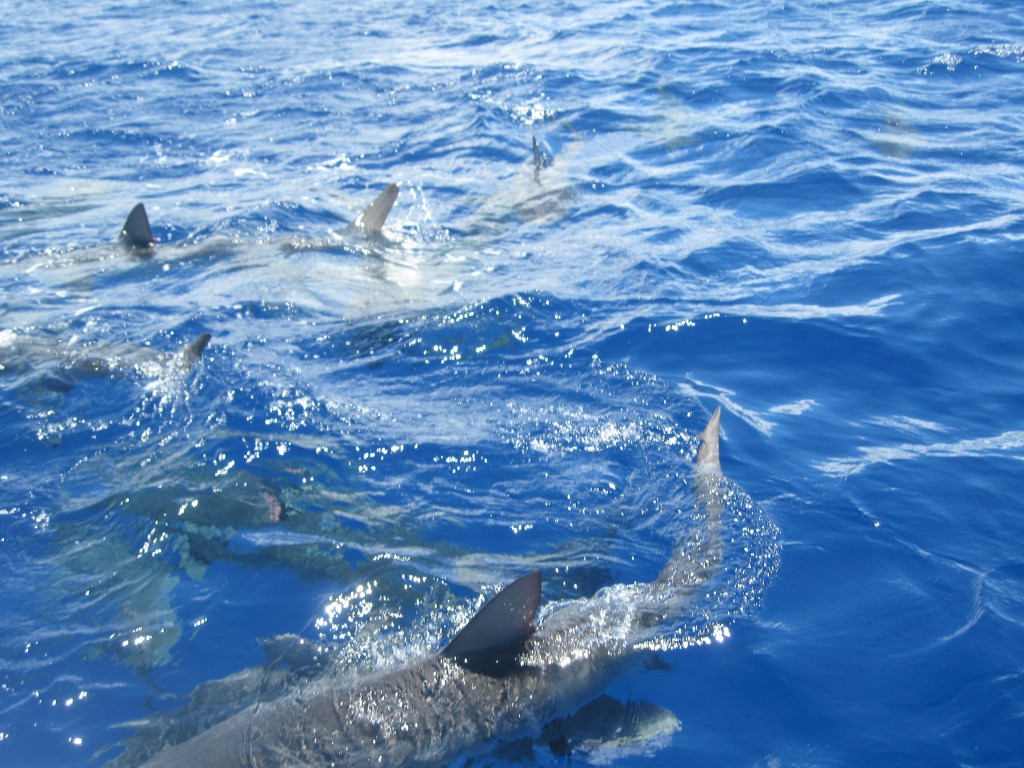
(501, 678)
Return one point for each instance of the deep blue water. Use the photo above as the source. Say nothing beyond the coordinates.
(808, 213)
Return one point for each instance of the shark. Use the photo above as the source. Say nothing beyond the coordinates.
(507, 675)
(59, 365)
(541, 192)
(395, 267)
(137, 236)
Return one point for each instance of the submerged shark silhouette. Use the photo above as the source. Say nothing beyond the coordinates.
(58, 367)
(501, 677)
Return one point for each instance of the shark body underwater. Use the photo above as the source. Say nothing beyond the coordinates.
(21, 352)
(502, 678)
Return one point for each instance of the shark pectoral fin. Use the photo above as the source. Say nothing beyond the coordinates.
(136, 232)
(493, 638)
(655, 663)
(292, 652)
(371, 221)
(616, 728)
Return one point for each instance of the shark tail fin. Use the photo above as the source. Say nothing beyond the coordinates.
(540, 159)
(136, 232)
(495, 635)
(707, 455)
(698, 557)
(371, 220)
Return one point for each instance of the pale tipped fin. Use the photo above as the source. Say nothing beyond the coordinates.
(707, 455)
(136, 232)
(371, 221)
(497, 632)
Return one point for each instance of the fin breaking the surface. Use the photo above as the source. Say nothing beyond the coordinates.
(371, 220)
(494, 636)
(540, 159)
(136, 232)
(707, 455)
(697, 558)
(191, 354)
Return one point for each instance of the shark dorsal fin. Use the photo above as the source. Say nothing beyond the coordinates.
(493, 637)
(541, 160)
(190, 355)
(538, 158)
(371, 221)
(136, 232)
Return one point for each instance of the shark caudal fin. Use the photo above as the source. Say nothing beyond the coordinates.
(371, 221)
(492, 639)
(707, 455)
(136, 232)
(540, 159)
(698, 556)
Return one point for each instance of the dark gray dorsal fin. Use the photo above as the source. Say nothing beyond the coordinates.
(136, 232)
(191, 354)
(500, 628)
(371, 221)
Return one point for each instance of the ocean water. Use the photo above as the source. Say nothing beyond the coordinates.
(809, 213)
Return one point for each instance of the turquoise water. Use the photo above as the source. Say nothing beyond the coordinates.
(807, 213)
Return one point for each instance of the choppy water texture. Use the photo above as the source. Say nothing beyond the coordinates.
(809, 213)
